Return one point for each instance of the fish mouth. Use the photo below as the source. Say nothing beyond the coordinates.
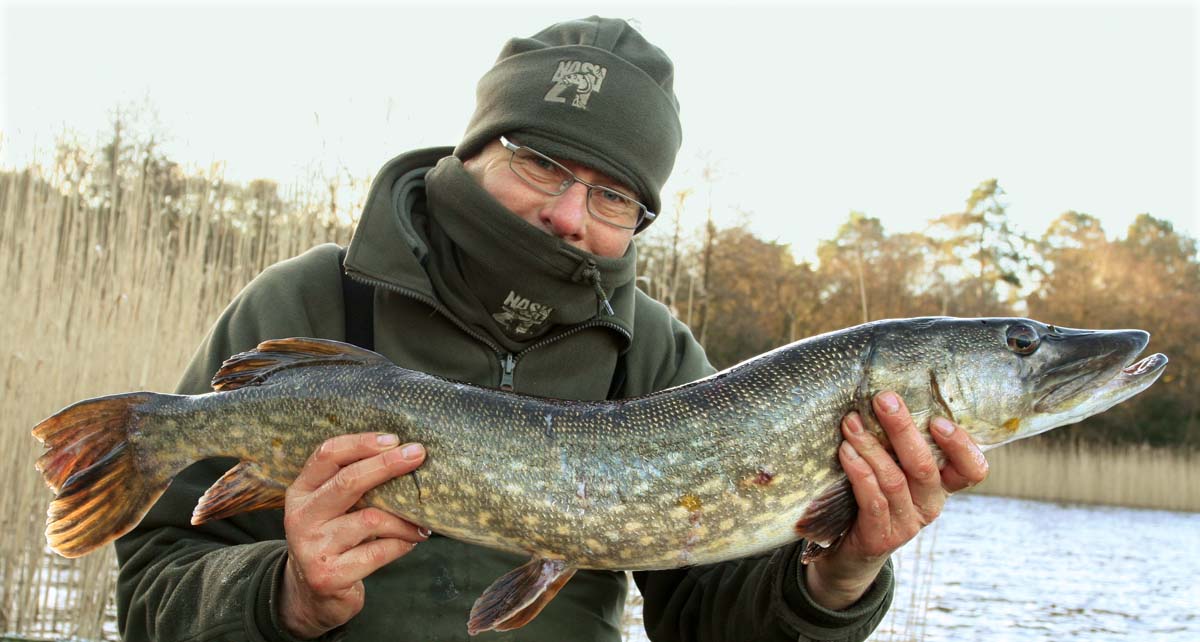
(1081, 375)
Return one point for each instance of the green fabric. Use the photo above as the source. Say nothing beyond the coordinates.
(504, 276)
(221, 580)
(592, 91)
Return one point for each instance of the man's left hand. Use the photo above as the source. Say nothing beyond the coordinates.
(895, 500)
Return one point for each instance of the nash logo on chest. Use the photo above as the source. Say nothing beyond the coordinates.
(521, 316)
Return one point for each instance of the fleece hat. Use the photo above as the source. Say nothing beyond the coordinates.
(593, 91)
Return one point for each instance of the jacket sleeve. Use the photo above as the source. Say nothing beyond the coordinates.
(754, 599)
(220, 581)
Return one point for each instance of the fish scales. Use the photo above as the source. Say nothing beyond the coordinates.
(677, 462)
(735, 464)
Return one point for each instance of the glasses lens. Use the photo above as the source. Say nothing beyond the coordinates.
(614, 207)
(540, 172)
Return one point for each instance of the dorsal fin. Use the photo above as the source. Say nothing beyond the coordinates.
(255, 366)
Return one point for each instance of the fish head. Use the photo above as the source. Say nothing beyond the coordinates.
(1004, 379)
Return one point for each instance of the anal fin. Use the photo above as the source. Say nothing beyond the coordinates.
(242, 489)
(826, 519)
(519, 595)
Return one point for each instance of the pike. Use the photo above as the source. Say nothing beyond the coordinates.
(737, 463)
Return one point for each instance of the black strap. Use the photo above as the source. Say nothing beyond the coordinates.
(358, 300)
(618, 379)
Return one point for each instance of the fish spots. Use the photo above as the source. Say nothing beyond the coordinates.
(1012, 425)
(549, 431)
(759, 478)
(634, 526)
(726, 524)
(278, 452)
(530, 520)
(689, 502)
(594, 546)
(333, 420)
(484, 518)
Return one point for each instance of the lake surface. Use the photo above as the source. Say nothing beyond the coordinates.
(996, 569)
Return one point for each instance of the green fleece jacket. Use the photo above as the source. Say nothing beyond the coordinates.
(221, 580)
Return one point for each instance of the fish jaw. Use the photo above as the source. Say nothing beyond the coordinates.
(1127, 382)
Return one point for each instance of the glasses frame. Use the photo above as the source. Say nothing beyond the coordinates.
(645, 216)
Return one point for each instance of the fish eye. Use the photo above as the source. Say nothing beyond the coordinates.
(1023, 339)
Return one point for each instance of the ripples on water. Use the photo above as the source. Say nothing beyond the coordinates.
(995, 569)
(1008, 569)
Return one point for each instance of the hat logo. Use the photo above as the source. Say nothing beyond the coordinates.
(584, 77)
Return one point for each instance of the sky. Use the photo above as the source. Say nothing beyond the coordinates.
(804, 112)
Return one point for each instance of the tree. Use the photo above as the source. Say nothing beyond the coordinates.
(978, 257)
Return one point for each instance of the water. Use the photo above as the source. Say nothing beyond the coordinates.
(1007, 569)
(994, 569)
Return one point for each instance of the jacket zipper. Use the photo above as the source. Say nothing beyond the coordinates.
(431, 302)
(507, 365)
(508, 361)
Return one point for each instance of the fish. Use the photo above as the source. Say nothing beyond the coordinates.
(737, 463)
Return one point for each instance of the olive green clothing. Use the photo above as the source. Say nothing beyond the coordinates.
(221, 580)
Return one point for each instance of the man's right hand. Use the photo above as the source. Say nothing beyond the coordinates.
(331, 548)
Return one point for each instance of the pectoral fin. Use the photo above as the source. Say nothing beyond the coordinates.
(826, 519)
(519, 595)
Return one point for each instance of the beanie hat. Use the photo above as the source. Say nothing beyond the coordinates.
(593, 91)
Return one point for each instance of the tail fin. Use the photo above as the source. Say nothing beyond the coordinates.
(102, 492)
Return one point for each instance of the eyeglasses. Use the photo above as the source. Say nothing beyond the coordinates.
(548, 176)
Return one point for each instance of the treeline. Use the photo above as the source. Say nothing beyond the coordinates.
(741, 294)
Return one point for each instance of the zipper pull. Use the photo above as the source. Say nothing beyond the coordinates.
(507, 365)
(600, 294)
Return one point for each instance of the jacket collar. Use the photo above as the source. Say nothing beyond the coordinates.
(389, 248)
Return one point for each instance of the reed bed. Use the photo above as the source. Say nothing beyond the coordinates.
(105, 298)
(1143, 477)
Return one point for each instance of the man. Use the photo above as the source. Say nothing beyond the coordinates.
(506, 262)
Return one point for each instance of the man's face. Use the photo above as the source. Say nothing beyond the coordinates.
(565, 216)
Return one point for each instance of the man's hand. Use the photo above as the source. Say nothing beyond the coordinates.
(895, 501)
(331, 550)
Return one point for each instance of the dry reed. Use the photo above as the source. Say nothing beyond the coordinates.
(104, 299)
(1143, 477)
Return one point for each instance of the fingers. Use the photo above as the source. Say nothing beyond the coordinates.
(921, 474)
(965, 464)
(345, 485)
(352, 529)
(885, 489)
(873, 516)
(330, 551)
(369, 557)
